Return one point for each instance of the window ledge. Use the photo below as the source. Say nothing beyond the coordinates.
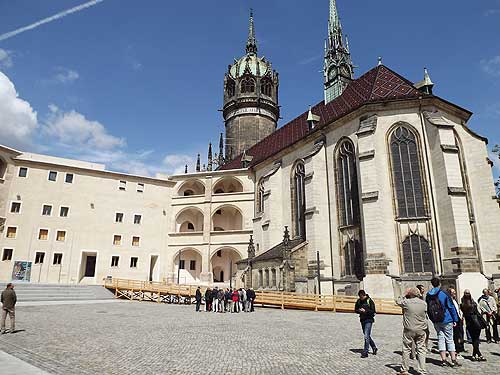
(369, 196)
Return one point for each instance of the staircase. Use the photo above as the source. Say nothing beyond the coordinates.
(27, 292)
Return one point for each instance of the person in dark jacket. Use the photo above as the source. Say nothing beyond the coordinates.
(9, 300)
(198, 299)
(251, 298)
(473, 321)
(365, 307)
(208, 300)
(215, 299)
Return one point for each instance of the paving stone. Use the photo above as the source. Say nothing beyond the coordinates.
(148, 338)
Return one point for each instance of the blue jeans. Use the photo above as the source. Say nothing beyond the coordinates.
(445, 336)
(367, 331)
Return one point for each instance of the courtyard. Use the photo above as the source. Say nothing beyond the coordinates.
(124, 337)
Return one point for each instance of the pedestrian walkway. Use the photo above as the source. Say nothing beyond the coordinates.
(12, 365)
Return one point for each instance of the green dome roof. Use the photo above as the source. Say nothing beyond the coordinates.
(250, 64)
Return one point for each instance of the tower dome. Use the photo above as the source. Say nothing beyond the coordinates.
(250, 109)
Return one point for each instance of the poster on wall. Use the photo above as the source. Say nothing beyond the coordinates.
(21, 271)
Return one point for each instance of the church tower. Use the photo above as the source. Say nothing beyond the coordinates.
(338, 70)
(251, 110)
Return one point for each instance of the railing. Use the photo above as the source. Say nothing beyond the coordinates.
(174, 293)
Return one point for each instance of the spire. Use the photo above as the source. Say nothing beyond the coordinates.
(186, 168)
(252, 41)
(339, 69)
(198, 164)
(221, 150)
(210, 164)
(426, 84)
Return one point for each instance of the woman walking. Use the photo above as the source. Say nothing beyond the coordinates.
(475, 323)
(458, 329)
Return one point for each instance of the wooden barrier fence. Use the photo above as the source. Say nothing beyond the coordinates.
(172, 293)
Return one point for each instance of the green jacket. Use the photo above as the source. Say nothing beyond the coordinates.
(9, 298)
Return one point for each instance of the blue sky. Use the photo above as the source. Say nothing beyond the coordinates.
(137, 84)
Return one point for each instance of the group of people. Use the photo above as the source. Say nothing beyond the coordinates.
(452, 320)
(226, 300)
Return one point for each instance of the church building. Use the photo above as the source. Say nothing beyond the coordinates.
(379, 186)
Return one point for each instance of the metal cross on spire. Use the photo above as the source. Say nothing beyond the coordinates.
(252, 41)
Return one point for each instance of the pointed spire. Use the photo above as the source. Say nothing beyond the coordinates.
(198, 164)
(221, 150)
(210, 161)
(334, 21)
(252, 41)
(379, 61)
(426, 84)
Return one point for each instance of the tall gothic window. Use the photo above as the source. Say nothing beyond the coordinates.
(266, 87)
(230, 88)
(260, 196)
(353, 259)
(407, 173)
(347, 182)
(299, 200)
(247, 85)
(417, 255)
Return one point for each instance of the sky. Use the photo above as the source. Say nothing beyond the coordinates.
(138, 84)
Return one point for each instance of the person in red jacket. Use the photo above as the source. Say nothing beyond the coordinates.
(235, 297)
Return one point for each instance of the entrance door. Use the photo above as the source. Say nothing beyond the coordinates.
(90, 266)
(152, 267)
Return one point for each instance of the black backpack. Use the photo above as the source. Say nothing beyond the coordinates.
(435, 309)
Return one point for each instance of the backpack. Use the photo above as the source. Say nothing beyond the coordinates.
(435, 309)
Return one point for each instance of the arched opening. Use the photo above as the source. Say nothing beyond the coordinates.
(260, 196)
(227, 218)
(189, 220)
(228, 185)
(189, 261)
(191, 187)
(223, 264)
(230, 88)
(247, 85)
(3, 168)
(298, 193)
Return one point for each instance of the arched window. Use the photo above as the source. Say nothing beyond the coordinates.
(347, 183)
(299, 200)
(260, 196)
(230, 88)
(353, 259)
(190, 226)
(266, 88)
(407, 174)
(247, 85)
(417, 255)
(188, 193)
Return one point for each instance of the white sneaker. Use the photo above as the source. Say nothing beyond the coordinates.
(459, 356)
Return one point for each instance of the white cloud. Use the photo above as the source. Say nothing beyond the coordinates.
(491, 66)
(18, 121)
(491, 12)
(5, 59)
(65, 75)
(73, 130)
(176, 163)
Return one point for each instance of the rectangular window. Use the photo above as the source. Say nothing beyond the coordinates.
(7, 254)
(57, 259)
(119, 217)
(192, 265)
(23, 172)
(47, 210)
(117, 240)
(135, 241)
(69, 178)
(114, 261)
(39, 257)
(122, 186)
(64, 211)
(133, 262)
(52, 176)
(181, 264)
(137, 219)
(15, 207)
(61, 235)
(43, 234)
(11, 232)
(140, 188)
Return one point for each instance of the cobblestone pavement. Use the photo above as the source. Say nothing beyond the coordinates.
(148, 338)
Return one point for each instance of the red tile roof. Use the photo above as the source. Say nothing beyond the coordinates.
(378, 85)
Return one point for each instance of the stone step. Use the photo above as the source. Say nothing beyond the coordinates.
(59, 292)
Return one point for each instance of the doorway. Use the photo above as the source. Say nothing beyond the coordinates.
(90, 266)
(153, 268)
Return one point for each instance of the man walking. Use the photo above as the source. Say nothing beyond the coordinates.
(365, 307)
(198, 299)
(414, 327)
(488, 308)
(443, 314)
(8, 300)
